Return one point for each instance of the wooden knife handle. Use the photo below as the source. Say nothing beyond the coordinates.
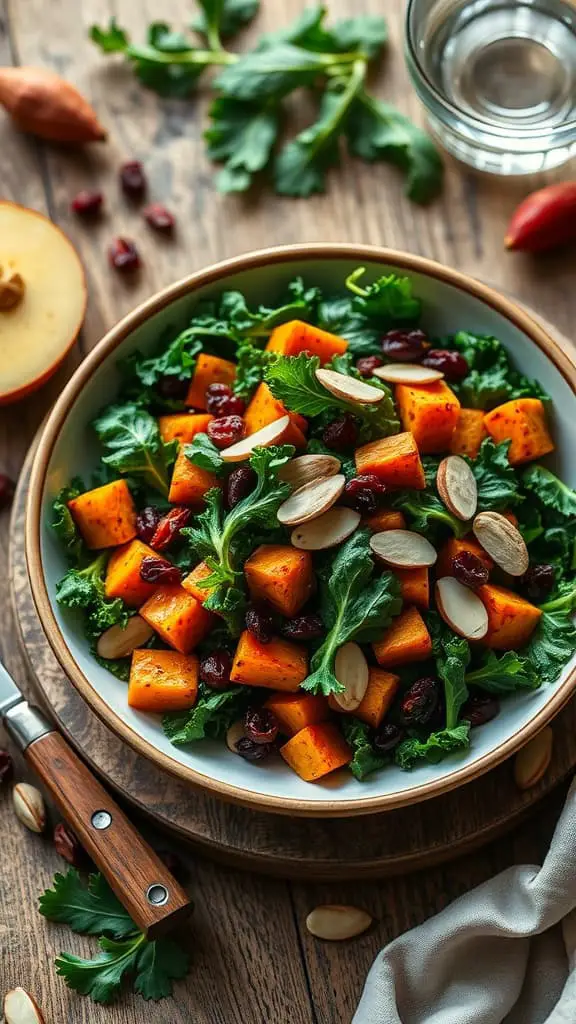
(140, 880)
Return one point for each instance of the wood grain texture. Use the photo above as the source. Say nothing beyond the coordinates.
(253, 962)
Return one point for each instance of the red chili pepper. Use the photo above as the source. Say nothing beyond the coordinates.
(169, 527)
(544, 220)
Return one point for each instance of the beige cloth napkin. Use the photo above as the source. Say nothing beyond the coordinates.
(505, 952)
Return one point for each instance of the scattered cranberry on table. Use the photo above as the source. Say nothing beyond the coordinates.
(368, 364)
(87, 204)
(147, 522)
(159, 570)
(341, 433)
(480, 708)
(6, 766)
(451, 364)
(226, 431)
(66, 843)
(124, 256)
(404, 345)
(133, 179)
(303, 627)
(419, 702)
(215, 670)
(363, 493)
(221, 401)
(261, 725)
(159, 218)
(538, 582)
(7, 488)
(470, 570)
(252, 751)
(387, 738)
(239, 485)
(169, 527)
(260, 622)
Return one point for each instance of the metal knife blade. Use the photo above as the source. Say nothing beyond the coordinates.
(24, 723)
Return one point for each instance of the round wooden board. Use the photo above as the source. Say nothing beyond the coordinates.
(321, 850)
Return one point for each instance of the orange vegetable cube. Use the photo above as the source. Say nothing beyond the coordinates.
(189, 483)
(386, 519)
(208, 370)
(177, 617)
(183, 427)
(406, 640)
(469, 433)
(454, 547)
(105, 516)
(395, 460)
(294, 337)
(163, 681)
(316, 751)
(278, 665)
(511, 619)
(192, 582)
(263, 409)
(123, 574)
(431, 412)
(381, 691)
(414, 586)
(523, 422)
(294, 711)
(282, 575)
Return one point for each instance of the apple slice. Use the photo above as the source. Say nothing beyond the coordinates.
(42, 299)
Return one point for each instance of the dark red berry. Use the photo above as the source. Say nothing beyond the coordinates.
(147, 522)
(260, 622)
(7, 489)
(123, 255)
(87, 204)
(261, 725)
(538, 582)
(215, 670)
(226, 431)
(341, 434)
(364, 493)
(404, 345)
(159, 218)
(67, 844)
(132, 179)
(251, 751)
(239, 485)
(480, 708)
(470, 570)
(303, 627)
(173, 388)
(159, 570)
(451, 364)
(169, 527)
(220, 401)
(419, 702)
(387, 737)
(6, 766)
(368, 364)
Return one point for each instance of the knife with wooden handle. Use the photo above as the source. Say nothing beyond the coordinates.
(142, 883)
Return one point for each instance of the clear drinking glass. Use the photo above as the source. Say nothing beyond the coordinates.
(498, 79)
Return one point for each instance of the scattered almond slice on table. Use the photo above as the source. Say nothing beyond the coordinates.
(407, 373)
(502, 541)
(531, 763)
(403, 549)
(29, 806)
(349, 388)
(311, 501)
(457, 487)
(304, 469)
(461, 608)
(21, 1008)
(331, 528)
(336, 922)
(351, 669)
(262, 438)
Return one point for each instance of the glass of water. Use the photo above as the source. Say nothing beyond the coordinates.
(498, 79)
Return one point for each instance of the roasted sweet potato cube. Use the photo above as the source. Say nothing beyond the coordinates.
(183, 427)
(382, 689)
(208, 370)
(162, 681)
(414, 586)
(189, 483)
(105, 516)
(430, 412)
(294, 711)
(294, 337)
(454, 547)
(406, 640)
(394, 460)
(316, 751)
(282, 575)
(511, 619)
(278, 665)
(192, 582)
(523, 422)
(263, 409)
(177, 617)
(123, 573)
(468, 433)
(386, 519)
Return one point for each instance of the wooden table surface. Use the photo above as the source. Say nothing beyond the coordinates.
(253, 961)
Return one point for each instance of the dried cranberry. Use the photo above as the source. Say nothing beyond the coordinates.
(226, 431)
(123, 255)
(470, 570)
(159, 570)
(68, 846)
(159, 218)
(404, 345)
(239, 485)
(451, 364)
(132, 179)
(220, 401)
(303, 627)
(539, 581)
(87, 204)
(364, 493)
(147, 521)
(169, 527)
(174, 864)
(341, 434)
(480, 708)
(173, 388)
(368, 364)
(251, 751)
(261, 725)
(260, 622)
(387, 737)
(215, 670)
(7, 489)
(6, 766)
(419, 702)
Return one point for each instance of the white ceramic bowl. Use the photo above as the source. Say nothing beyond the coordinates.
(452, 301)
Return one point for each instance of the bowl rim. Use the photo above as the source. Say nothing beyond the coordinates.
(211, 275)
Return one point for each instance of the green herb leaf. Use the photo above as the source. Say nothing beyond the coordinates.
(101, 978)
(492, 378)
(425, 511)
(176, 359)
(227, 16)
(132, 445)
(503, 673)
(552, 645)
(497, 480)
(91, 909)
(452, 655)
(241, 135)
(338, 315)
(159, 964)
(251, 363)
(530, 522)
(270, 73)
(63, 523)
(85, 589)
(365, 759)
(363, 33)
(110, 40)
(388, 301)
(211, 716)
(202, 452)
(550, 491)
(434, 749)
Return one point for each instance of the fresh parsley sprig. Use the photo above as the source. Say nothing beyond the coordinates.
(133, 445)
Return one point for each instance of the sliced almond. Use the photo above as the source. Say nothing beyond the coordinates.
(119, 643)
(461, 608)
(311, 501)
(328, 530)
(21, 1008)
(502, 541)
(457, 487)
(306, 468)
(407, 373)
(263, 438)
(531, 763)
(336, 923)
(403, 549)
(349, 388)
(235, 733)
(351, 669)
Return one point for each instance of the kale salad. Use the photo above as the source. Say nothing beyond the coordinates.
(320, 533)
